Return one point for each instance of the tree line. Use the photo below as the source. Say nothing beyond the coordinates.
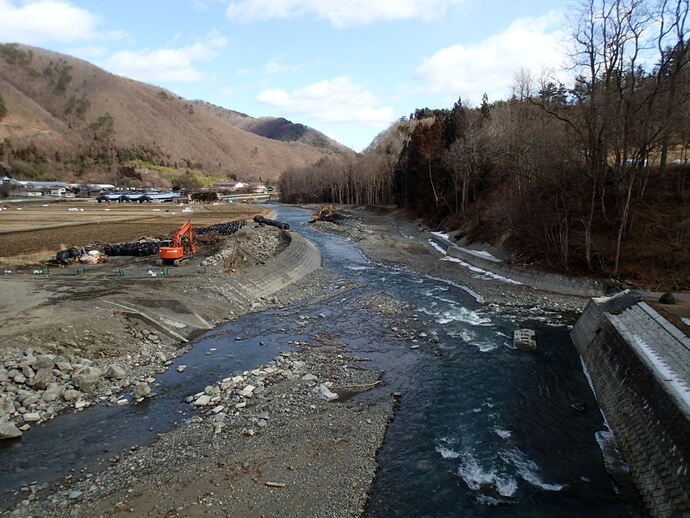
(574, 176)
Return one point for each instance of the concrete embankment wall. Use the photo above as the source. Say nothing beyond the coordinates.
(638, 366)
(299, 259)
(540, 280)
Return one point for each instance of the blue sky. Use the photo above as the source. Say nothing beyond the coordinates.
(345, 67)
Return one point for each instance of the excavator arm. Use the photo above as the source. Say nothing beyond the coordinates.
(185, 229)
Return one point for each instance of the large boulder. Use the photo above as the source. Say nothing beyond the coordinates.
(43, 378)
(142, 390)
(115, 372)
(668, 298)
(87, 379)
(9, 431)
(71, 395)
(43, 362)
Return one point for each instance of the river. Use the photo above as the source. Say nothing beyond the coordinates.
(482, 430)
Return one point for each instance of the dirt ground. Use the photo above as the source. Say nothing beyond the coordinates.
(102, 223)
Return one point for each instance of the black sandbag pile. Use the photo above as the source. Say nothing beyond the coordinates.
(136, 249)
(145, 248)
(224, 229)
(68, 256)
(270, 222)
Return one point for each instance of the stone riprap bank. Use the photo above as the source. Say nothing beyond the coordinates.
(639, 365)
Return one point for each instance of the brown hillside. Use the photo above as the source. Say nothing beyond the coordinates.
(67, 118)
(277, 128)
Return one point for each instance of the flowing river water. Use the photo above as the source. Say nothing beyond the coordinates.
(483, 430)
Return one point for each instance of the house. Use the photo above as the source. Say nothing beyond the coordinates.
(230, 186)
(257, 187)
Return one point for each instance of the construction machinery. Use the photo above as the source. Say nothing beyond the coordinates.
(325, 213)
(182, 246)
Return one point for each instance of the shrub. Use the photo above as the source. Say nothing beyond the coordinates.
(3, 107)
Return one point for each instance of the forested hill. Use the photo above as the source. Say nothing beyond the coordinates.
(588, 178)
(64, 118)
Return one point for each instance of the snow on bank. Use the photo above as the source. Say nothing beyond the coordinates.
(483, 274)
(442, 235)
(675, 381)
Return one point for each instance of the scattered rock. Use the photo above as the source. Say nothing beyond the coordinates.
(115, 372)
(247, 391)
(44, 362)
(668, 298)
(9, 431)
(326, 393)
(71, 395)
(142, 390)
(87, 379)
(202, 400)
(43, 378)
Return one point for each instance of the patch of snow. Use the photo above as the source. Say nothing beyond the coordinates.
(484, 274)
(665, 370)
(484, 253)
(442, 235)
(437, 246)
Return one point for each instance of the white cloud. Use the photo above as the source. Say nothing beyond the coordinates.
(490, 65)
(42, 21)
(275, 66)
(340, 12)
(338, 100)
(166, 65)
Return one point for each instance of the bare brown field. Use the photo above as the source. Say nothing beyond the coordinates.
(119, 224)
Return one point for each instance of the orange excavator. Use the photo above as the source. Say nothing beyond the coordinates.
(179, 251)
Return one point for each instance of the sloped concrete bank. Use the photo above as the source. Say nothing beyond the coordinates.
(639, 365)
(545, 281)
(299, 259)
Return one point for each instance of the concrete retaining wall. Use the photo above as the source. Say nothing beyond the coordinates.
(540, 280)
(650, 422)
(299, 259)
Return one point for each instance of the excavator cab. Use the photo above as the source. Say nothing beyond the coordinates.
(181, 248)
(325, 212)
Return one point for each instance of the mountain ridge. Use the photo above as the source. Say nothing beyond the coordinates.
(66, 118)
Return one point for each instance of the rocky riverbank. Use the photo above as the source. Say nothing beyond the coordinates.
(283, 438)
(390, 240)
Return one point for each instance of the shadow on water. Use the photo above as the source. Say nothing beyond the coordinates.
(482, 429)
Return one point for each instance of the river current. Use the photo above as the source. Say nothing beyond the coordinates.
(482, 430)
